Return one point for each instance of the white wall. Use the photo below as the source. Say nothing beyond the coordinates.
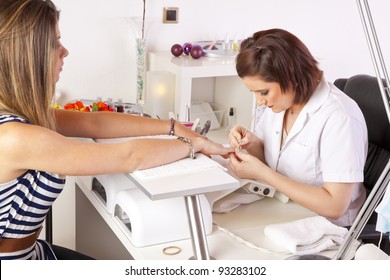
(100, 40)
(101, 45)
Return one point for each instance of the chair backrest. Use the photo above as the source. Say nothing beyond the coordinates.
(364, 89)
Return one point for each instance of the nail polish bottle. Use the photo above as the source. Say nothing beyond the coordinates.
(110, 103)
(119, 106)
(235, 45)
(231, 119)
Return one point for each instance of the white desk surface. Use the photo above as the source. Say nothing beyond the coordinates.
(208, 180)
(186, 184)
(246, 221)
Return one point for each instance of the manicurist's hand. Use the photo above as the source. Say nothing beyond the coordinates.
(244, 165)
(240, 137)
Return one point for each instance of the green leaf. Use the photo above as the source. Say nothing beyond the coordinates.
(95, 107)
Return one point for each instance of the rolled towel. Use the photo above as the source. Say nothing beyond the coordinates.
(306, 236)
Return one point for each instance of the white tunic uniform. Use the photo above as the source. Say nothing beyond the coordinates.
(327, 143)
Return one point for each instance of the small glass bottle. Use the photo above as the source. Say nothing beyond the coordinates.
(119, 106)
(226, 46)
(110, 104)
(231, 119)
(235, 45)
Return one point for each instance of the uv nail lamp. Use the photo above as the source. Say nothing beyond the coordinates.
(106, 188)
(149, 222)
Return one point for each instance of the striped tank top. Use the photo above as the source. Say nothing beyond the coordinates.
(24, 203)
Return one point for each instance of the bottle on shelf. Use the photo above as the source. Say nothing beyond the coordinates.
(110, 103)
(231, 119)
(235, 45)
(119, 106)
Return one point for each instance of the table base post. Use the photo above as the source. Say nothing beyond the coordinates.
(198, 236)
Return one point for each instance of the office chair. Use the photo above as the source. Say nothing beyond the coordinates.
(364, 89)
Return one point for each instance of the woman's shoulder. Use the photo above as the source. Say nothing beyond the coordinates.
(13, 131)
(344, 105)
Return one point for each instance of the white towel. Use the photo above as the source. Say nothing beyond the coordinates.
(306, 236)
(234, 199)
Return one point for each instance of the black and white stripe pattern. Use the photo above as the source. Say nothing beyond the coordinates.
(24, 203)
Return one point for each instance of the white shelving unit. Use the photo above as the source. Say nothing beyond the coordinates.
(217, 76)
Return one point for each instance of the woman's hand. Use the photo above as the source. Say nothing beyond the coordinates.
(208, 147)
(241, 138)
(244, 165)
(201, 143)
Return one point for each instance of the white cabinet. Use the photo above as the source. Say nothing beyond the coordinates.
(211, 79)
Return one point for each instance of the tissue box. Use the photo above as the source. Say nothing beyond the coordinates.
(148, 222)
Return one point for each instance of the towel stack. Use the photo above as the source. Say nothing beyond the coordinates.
(306, 236)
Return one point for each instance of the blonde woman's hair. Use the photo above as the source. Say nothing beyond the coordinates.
(27, 57)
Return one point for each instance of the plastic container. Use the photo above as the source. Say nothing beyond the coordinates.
(208, 111)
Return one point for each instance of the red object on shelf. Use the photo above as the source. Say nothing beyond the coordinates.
(177, 50)
(187, 48)
(196, 51)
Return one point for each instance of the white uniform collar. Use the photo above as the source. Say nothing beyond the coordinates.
(318, 98)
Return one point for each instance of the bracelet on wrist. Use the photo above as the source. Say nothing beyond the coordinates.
(172, 127)
(191, 153)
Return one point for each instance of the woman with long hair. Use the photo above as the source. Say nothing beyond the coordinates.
(36, 147)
